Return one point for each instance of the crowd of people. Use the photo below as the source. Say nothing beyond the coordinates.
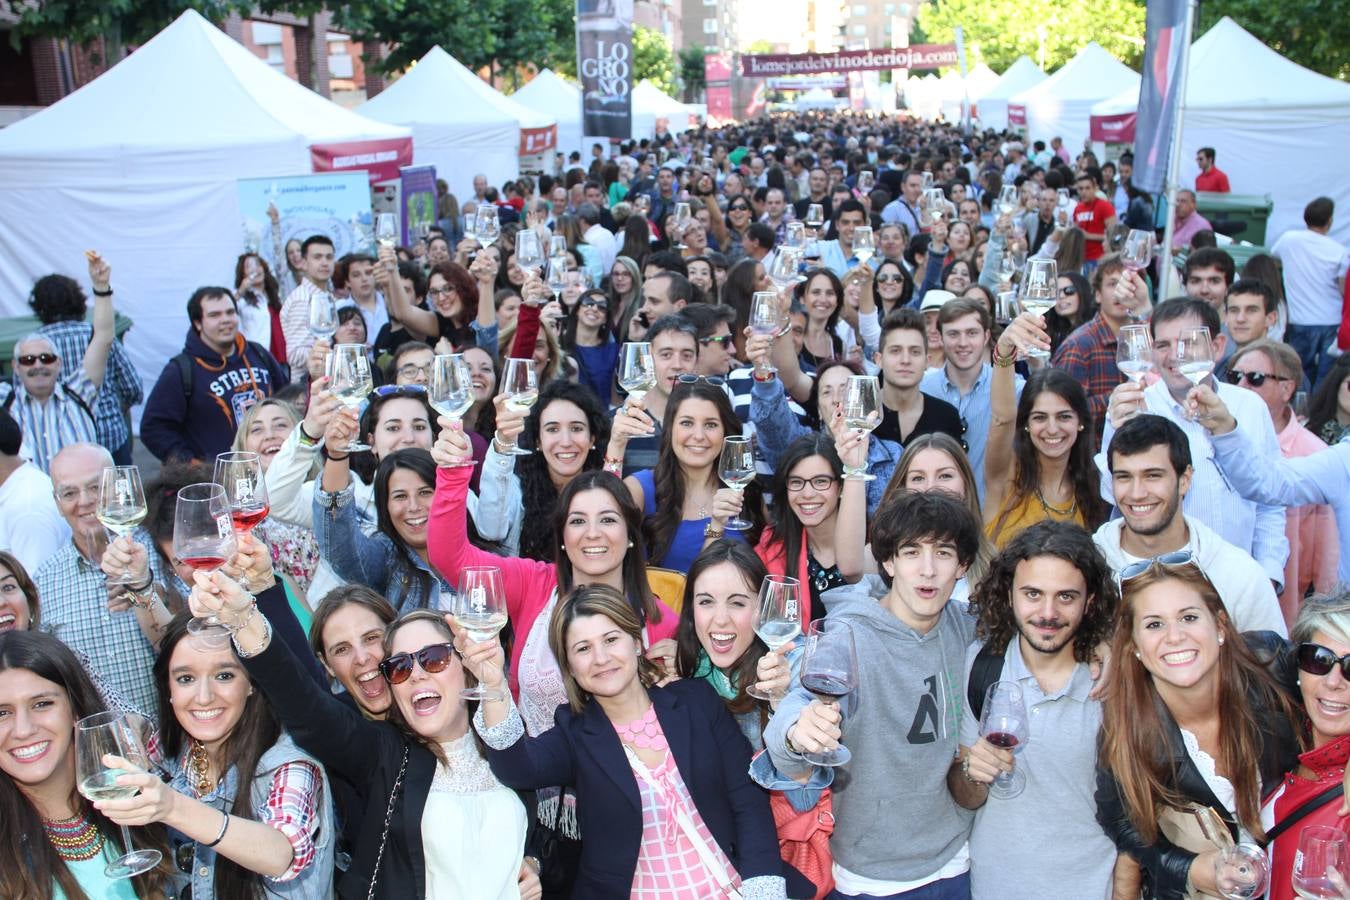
(1058, 632)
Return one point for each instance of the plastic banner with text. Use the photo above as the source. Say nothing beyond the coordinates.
(417, 209)
(605, 63)
(381, 160)
(1165, 49)
(917, 56)
(335, 204)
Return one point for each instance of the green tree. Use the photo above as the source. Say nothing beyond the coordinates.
(1049, 31)
(760, 47)
(692, 73)
(121, 23)
(653, 59)
(1313, 33)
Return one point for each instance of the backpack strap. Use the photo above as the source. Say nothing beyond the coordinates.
(1303, 810)
(986, 669)
(184, 363)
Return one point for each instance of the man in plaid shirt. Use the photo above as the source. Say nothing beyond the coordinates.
(1089, 352)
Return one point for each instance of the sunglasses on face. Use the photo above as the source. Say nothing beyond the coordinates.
(1068, 291)
(598, 304)
(723, 339)
(1254, 379)
(433, 659)
(1318, 660)
(32, 359)
(888, 278)
(1172, 560)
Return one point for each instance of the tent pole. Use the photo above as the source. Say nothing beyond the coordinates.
(1171, 285)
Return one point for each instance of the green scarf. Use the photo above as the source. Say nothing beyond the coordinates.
(714, 676)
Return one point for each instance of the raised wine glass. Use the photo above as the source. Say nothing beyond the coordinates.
(683, 217)
(1007, 200)
(203, 539)
(737, 469)
(796, 235)
(112, 734)
(241, 475)
(783, 269)
(1136, 253)
(520, 384)
(1004, 724)
(481, 611)
(927, 180)
(351, 382)
(815, 216)
(830, 671)
(1242, 872)
(1194, 354)
(1134, 352)
(1040, 292)
(323, 317)
(450, 389)
(866, 182)
(766, 318)
(529, 251)
(862, 412)
(864, 243)
(557, 276)
(557, 247)
(486, 227)
(386, 230)
(1321, 849)
(121, 507)
(637, 369)
(779, 620)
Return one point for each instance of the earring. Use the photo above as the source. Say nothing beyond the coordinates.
(1137, 655)
(1220, 640)
(1080, 427)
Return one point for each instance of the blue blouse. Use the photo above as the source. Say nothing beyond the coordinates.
(688, 540)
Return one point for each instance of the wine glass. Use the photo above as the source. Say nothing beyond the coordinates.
(351, 382)
(480, 609)
(529, 251)
(927, 181)
(386, 230)
(779, 620)
(862, 412)
(815, 216)
(323, 317)
(1241, 872)
(864, 243)
(1300, 406)
(115, 734)
(1007, 269)
(121, 506)
(520, 384)
(830, 671)
(1004, 724)
(557, 276)
(1040, 292)
(450, 389)
(1194, 356)
(682, 219)
(766, 318)
(637, 369)
(1321, 848)
(1134, 352)
(783, 269)
(796, 235)
(241, 474)
(1137, 251)
(203, 539)
(557, 246)
(486, 227)
(737, 469)
(1007, 200)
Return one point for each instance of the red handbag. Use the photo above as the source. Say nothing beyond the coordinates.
(804, 838)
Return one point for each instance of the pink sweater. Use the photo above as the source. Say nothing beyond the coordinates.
(529, 583)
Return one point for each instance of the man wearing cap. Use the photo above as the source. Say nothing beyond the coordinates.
(932, 303)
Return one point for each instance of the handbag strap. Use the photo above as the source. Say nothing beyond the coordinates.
(388, 820)
(1303, 810)
(709, 859)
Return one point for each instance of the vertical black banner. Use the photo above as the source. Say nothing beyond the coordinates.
(1165, 53)
(605, 63)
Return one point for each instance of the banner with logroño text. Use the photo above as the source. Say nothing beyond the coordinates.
(605, 63)
(918, 56)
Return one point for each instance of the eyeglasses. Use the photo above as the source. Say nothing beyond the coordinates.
(32, 359)
(440, 291)
(714, 380)
(1172, 560)
(887, 279)
(401, 390)
(74, 494)
(1254, 379)
(433, 659)
(724, 339)
(796, 485)
(412, 371)
(1318, 660)
(598, 304)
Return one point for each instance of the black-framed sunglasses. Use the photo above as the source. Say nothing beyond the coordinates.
(433, 658)
(1068, 291)
(32, 359)
(724, 339)
(1318, 660)
(1255, 379)
(599, 304)
(714, 380)
(385, 391)
(888, 278)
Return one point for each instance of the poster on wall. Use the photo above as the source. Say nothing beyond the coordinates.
(417, 209)
(336, 205)
(605, 63)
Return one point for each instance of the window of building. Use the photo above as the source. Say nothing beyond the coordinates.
(710, 26)
(860, 10)
(860, 31)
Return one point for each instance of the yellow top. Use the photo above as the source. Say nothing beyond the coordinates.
(1031, 510)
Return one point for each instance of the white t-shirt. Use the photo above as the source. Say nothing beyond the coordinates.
(31, 527)
(1312, 263)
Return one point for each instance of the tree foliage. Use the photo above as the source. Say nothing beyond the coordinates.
(653, 59)
(693, 75)
(999, 31)
(121, 23)
(1313, 33)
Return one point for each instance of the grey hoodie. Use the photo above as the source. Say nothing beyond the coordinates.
(894, 816)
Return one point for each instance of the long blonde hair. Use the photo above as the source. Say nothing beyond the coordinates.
(245, 423)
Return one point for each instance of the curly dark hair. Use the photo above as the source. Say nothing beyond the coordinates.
(537, 491)
(58, 298)
(991, 599)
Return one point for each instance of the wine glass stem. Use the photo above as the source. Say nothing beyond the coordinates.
(126, 840)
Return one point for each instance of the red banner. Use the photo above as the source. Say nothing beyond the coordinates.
(919, 56)
(381, 159)
(1017, 115)
(537, 140)
(1117, 129)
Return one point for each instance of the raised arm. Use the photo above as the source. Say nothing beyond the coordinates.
(1024, 331)
(105, 327)
(775, 424)
(289, 472)
(850, 524)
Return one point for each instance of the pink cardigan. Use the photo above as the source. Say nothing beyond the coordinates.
(529, 583)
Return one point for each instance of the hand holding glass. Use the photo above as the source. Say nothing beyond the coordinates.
(779, 620)
(203, 539)
(830, 671)
(121, 506)
(480, 609)
(737, 469)
(351, 382)
(637, 369)
(520, 384)
(112, 734)
(1004, 725)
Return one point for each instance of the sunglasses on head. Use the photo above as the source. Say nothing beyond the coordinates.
(1172, 560)
(1318, 660)
(1255, 379)
(714, 380)
(433, 659)
(400, 390)
(32, 359)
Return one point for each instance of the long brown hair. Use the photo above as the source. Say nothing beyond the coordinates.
(595, 600)
(1135, 737)
(25, 585)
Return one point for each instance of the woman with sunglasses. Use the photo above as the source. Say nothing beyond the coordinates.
(57, 843)
(895, 287)
(740, 216)
(1075, 306)
(700, 827)
(587, 337)
(1196, 715)
(248, 811)
(434, 821)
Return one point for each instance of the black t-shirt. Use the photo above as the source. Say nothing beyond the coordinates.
(937, 415)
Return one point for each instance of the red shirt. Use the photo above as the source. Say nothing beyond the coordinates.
(1328, 767)
(1213, 181)
(1092, 218)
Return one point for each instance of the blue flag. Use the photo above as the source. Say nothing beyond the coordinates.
(1165, 53)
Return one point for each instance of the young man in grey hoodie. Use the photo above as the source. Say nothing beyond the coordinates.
(898, 832)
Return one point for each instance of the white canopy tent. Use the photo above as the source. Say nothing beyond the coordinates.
(993, 107)
(1061, 105)
(550, 94)
(460, 123)
(651, 103)
(141, 164)
(978, 82)
(1265, 110)
(923, 97)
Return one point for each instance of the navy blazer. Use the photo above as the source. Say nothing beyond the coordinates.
(713, 758)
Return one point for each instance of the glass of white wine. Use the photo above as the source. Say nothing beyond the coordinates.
(386, 230)
(737, 469)
(486, 227)
(1007, 200)
(351, 382)
(480, 609)
(121, 506)
(1040, 293)
(1134, 352)
(323, 317)
(766, 318)
(520, 384)
(683, 218)
(1194, 356)
(779, 621)
(862, 412)
(529, 251)
(112, 734)
(450, 389)
(864, 243)
(637, 369)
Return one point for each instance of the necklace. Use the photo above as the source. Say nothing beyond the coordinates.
(645, 733)
(198, 763)
(75, 839)
(1059, 511)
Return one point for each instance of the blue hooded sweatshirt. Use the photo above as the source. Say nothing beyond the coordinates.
(201, 422)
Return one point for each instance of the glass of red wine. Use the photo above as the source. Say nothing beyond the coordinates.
(1005, 725)
(241, 475)
(830, 671)
(203, 539)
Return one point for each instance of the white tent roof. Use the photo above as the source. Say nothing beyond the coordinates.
(993, 106)
(460, 123)
(551, 94)
(651, 103)
(1061, 105)
(977, 83)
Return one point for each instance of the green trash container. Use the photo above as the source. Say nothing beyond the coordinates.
(1251, 209)
(1241, 252)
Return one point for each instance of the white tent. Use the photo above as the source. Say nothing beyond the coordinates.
(460, 123)
(1021, 75)
(978, 82)
(1276, 126)
(922, 96)
(651, 103)
(553, 95)
(1061, 105)
(141, 164)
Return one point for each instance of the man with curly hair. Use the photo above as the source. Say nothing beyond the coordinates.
(1047, 601)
